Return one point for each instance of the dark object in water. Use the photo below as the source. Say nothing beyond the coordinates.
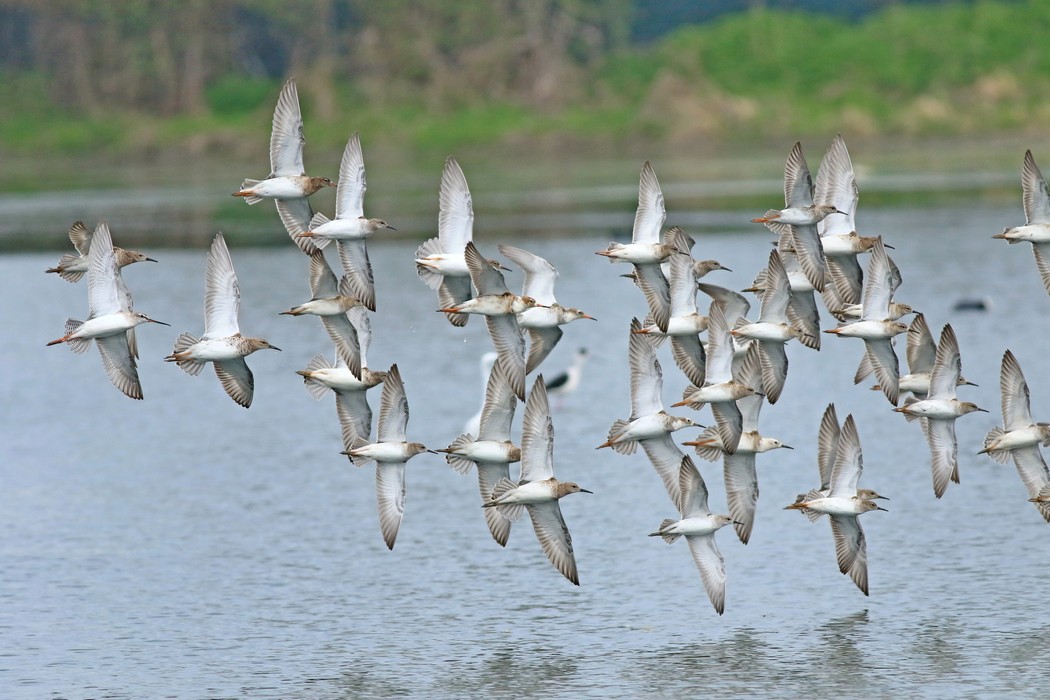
(973, 305)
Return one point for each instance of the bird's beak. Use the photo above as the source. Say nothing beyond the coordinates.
(969, 383)
(680, 403)
(274, 347)
(391, 227)
(434, 452)
(881, 508)
(586, 491)
(726, 269)
(150, 260)
(590, 317)
(787, 447)
(153, 320)
(880, 498)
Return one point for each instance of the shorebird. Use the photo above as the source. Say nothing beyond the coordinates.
(773, 329)
(721, 388)
(940, 409)
(741, 478)
(441, 262)
(111, 318)
(649, 425)
(684, 324)
(222, 343)
(538, 491)
(842, 504)
(698, 525)
(801, 214)
(391, 452)
(330, 301)
(500, 308)
(72, 268)
(802, 306)
(287, 178)
(1036, 230)
(349, 378)
(543, 321)
(492, 452)
(874, 327)
(921, 354)
(827, 448)
(564, 383)
(1020, 436)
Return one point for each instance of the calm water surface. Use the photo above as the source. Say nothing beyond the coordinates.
(184, 547)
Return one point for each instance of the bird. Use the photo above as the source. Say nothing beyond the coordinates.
(441, 262)
(827, 447)
(773, 329)
(330, 301)
(391, 452)
(349, 379)
(842, 504)
(222, 343)
(1036, 229)
(542, 322)
(647, 251)
(1020, 436)
(741, 478)
(350, 229)
(500, 308)
(921, 354)
(492, 452)
(721, 389)
(564, 383)
(874, 327)
(684, 323)
(802, 306)
(473, 424)
(287, 178)
(72, 268)
(649, 425)
(801, 214)
(939, 410)
(111, 317)
(538, 491)
(698, 525)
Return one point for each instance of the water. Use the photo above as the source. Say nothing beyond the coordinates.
(185, 547)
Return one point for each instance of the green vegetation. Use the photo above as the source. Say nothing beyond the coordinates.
(564, 77)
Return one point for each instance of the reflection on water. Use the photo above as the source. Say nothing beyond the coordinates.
(184, 546)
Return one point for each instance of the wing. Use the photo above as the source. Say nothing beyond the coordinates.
(393, 408)
(878, 285)
(798, 185)
(358, 270)
(1016, 402)
(940, 434)
(119, 364)
(649, 218)
(489, 474)
(537, 435)
(1036, 195)
(1032, 468)
(802, 311)
(509, 344)
(887, 370)
(749, 371)
(390, 498)
(486, 278)
(692, 488)
(295, 215)
(774, 363)
(847, 280)
(105, 295)
(849, 462)
(286, 137)
(810, 253)
(646, 375)
(1042, 262)
(343, 333)
(456, 216)
(734, 305)
(851, 549)
(497, 412)
(355, 416)
(712, 567)
(946, 367)
(554, 536)
(540, 275)
(837, 184)
(236, 379)
(730, 424)
(654, 286)
(541, 342)
(688, 353)
(453, 291)
(350, 192)
(719, 348)
(682, 285)
(323, 284)
(666, 459)
(741, 492)
(922, 351)
(827, 445)
(222, 295)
